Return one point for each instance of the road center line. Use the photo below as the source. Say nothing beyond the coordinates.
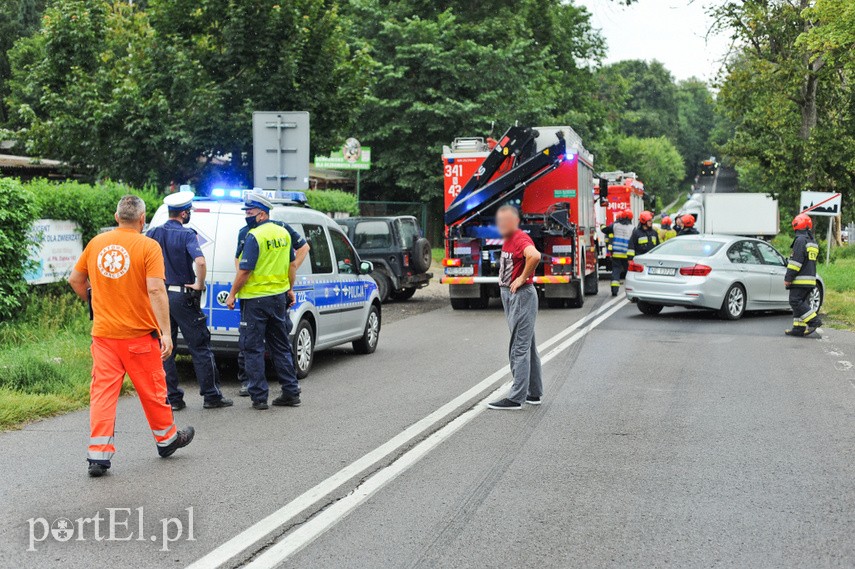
(316, 526)
(261, 530)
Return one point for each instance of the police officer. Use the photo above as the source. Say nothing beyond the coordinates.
(181, 252)
(801, 277)
(644, 237)
(666, 232)
(263, 285)
(688, 225)
(301, 250)
(618, 235)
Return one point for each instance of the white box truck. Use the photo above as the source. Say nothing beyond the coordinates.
(749, 214)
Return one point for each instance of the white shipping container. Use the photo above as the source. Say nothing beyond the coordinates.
(750, 214)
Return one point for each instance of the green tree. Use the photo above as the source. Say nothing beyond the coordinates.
(18, 18)
(696, 120)
(656, 161)
(642, 97)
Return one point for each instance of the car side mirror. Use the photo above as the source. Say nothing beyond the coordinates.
(366, 267)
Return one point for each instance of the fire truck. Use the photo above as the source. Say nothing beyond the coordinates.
(546, 173)
(615, 192)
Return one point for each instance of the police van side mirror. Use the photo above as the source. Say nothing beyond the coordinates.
(366, 267)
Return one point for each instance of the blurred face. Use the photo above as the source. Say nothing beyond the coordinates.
(507, 222)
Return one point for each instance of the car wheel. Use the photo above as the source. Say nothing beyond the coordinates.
(384, 284)
(403, 294)
(734, 303)
(649, 308)
(459, 303)
(815, 299)
(368, 342)
(304, 348)
(422, 257)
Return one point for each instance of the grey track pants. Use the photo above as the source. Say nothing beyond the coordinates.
(521, 313)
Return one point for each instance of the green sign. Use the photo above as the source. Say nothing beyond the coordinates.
(359, 160)
(564, 193)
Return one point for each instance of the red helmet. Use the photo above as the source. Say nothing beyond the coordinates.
(645, 217)
(626, 214)
(802, 221)
(688, 220)
(666, 221)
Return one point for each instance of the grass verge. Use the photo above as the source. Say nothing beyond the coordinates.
(839, 278)
(438, 254)
(45, 366)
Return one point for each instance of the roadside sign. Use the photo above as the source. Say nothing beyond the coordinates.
(280, 150)
(55, 247)
(351, 156)
(822, 203)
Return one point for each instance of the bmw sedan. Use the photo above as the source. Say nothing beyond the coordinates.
(728, 274)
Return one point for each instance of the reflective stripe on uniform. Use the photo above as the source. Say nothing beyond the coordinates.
(642, 241)
(619, 255)
(163, 432)
(630, 253)
(167, 442)
(807, 319)
(805, 281)
(99, 455)
(93, 441)
(798, 323)
(792, 266)
(615, 283)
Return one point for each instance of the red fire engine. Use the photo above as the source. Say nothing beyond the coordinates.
(624, 191)
(547, 174)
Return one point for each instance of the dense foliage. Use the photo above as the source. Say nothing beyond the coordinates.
(332, 201)
(17, 213)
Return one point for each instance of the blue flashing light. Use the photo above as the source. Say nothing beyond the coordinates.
(218, 193)
(238, 194)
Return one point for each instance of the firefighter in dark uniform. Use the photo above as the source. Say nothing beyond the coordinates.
(301, 250)
(644, 237)
(185, 287)
(801, 277)
(618, 235)
(688, 225)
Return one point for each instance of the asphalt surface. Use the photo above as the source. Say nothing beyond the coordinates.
(675, 440)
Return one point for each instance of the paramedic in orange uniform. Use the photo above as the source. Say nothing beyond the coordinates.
(130, 333)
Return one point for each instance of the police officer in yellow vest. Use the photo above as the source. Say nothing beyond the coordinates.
(263, 285)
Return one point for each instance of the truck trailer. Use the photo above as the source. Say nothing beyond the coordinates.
(748, 214)
(546, 173)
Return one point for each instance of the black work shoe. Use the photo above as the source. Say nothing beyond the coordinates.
(260, 405)
(97, 470)
(184, 438)
(813, 325)
(178, 405)
(244, 390)
(533, 400)
(218, 403)
(797, 332)
(505, 405)
(285, 400)
(615, 291)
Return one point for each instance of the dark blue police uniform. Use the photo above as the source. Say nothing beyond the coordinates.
(180, 247)
(297, 241)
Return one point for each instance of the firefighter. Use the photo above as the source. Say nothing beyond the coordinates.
(618, 234)
(184, 286)
(644, 237)
(688, 225)
(263, 284)
(666, 232)
(801, 277)
(131, 333)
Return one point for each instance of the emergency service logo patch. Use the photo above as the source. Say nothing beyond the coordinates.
(114, 261)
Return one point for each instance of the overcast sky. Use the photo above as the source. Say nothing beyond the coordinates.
(671, 31)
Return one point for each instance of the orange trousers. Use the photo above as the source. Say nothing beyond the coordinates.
(111, 360)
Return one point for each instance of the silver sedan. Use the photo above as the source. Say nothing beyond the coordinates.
(728, 274)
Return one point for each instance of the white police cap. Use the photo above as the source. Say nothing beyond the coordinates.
(256, 200)
(179, 201)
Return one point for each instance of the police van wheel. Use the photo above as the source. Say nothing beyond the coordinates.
(368, 342)
(734, 303)
(304, 348)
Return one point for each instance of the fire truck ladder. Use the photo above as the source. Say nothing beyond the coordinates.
(484, 196)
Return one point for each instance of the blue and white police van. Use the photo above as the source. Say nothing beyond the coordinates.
(336, 301)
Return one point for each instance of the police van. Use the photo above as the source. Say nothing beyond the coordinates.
(336, 301)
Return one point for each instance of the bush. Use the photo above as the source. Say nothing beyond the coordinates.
(90, 206)
(329, 201)
(17, 213)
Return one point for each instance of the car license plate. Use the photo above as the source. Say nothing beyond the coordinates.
(460, 271)
(662, 271)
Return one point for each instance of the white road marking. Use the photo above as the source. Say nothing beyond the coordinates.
(251, 537)
(316, 526)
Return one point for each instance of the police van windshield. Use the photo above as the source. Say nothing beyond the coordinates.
(688, 247)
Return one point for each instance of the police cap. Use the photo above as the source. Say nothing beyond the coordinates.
(179, 201)
(257, 200)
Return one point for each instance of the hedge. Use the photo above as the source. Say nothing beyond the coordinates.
(331, 201)
(92, 207)
(17, 213)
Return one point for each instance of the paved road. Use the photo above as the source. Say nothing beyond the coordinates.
(678, 440)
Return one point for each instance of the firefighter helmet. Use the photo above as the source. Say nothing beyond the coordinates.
(666, 221)
(688, 220)
(645, 217)
(626, 214)
(802, 221)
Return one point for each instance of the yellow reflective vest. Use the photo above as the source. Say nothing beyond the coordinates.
(270, 275)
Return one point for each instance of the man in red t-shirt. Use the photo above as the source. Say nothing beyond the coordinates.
(519, 298)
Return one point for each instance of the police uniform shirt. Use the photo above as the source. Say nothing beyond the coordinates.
(297, 240)
(249, 250)
(180, 246)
